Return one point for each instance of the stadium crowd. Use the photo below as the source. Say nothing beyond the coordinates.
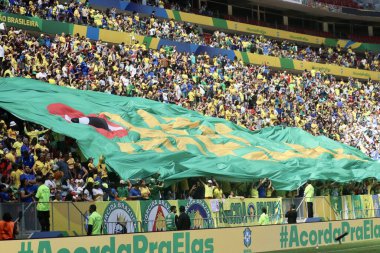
(251, 96)
(82, 13)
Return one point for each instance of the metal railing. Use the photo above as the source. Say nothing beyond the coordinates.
(25, 214)
(125, 227)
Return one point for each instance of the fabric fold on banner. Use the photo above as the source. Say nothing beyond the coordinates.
(141, 137)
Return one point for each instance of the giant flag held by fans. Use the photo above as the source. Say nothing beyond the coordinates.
(140, 137)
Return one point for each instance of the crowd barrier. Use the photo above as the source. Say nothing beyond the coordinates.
(233, 26)
(54, 27)
(149, 216)
(242, 239)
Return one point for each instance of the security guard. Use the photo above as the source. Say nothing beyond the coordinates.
(94, 222)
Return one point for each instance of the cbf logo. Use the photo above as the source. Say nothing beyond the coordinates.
(247, 237)
(119, 218)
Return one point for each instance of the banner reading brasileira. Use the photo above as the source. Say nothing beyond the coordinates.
(141, 137)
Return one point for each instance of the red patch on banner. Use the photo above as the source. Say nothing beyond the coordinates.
(68, 113)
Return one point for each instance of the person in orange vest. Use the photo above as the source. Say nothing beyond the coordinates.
(8, 228)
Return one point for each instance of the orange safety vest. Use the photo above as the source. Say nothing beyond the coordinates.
(6, 230)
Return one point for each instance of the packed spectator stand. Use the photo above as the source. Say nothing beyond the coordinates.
(186, 32)
(251, 96)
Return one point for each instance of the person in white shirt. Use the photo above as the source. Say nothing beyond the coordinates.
(2, 28)
(51, 184)
(97, 192)
(2, 53)
(41, 74)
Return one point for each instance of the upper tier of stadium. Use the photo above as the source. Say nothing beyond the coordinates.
(299, 16)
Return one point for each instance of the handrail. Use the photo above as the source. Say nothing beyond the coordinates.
(299, 206)
(21, 213)
(82, 214)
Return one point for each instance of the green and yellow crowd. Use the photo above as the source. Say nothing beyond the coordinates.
(82, 13)
(251, 96)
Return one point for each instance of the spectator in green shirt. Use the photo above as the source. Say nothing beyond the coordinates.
(94, 222)
(123, 190)
(264, 218)
(43, 206)
(172, 219)
(155, 188)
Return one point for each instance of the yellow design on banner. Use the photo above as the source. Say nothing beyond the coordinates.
(170, 14)
(271, 32)
(81, 30)
(264, 59)
(336, 70)
(200, 19)
(170, 135)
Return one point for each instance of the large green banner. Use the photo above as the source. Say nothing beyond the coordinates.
(140, 137)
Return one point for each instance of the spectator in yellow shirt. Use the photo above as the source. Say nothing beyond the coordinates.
(41, 146)
(15, 176)
(33, 134)
(11, 156)
(209, 188)
(12, 131)
(71, 164)
(218, 192)
(17, 145)
(145, 192)
(91, 167)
